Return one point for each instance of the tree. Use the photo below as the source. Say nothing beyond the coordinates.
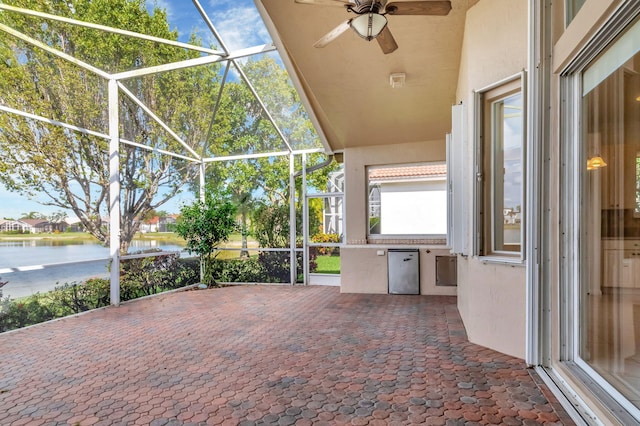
(204, 225)
(242, 127)
(69, 169)
(33, 215)
(57, 217)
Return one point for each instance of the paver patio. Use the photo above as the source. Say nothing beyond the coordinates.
(266, 355)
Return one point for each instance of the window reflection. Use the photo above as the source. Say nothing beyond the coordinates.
(507, 173)
(610, 288)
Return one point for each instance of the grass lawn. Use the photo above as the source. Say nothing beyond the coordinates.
(327, 265)
(165, 237)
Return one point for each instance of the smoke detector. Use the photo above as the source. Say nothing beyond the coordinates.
(396, 80)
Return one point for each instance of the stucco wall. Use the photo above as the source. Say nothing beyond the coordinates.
(356, 162)
(491, 296)
(362, 269)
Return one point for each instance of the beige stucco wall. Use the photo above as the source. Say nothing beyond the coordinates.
(491, 296)
(355, 164)
(362, 270)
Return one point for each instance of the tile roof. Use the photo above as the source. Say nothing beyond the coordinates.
(388, 173)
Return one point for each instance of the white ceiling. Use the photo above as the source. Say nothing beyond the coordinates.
(347, 82)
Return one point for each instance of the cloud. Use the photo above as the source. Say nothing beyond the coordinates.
(239, 25)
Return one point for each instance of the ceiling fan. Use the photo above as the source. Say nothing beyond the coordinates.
(371, 21)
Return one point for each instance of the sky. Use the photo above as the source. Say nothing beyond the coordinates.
(238, 23)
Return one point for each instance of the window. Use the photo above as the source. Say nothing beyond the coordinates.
(407, 199)
(571, 9)
(601, 230)
(500, 170)
(609, 302)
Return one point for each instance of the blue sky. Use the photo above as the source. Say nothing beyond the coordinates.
(238, 23)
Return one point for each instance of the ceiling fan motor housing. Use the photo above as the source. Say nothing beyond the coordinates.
(366, 6)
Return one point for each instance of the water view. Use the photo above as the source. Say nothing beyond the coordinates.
(32, 266)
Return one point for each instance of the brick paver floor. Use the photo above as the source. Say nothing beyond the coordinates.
(266, 355)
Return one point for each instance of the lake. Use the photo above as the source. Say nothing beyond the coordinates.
(32, 266)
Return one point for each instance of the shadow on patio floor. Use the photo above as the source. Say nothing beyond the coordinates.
(263, 355)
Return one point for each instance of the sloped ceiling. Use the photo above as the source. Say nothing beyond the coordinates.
(347, 82)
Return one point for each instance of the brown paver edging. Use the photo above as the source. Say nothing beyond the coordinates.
(265, 355)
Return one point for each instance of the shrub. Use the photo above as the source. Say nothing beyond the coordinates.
(150, 275)
(271, 229)
(73, 298)
(204, 225)
(28, 311)
(326, 238)
(139, 277)
(247, 270)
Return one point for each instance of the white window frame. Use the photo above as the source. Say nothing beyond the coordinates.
(479, 226)
(401, 237)
(572, 266)
(571, 9)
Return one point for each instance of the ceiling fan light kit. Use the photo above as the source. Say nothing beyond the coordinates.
(371, 21)
(369, 25)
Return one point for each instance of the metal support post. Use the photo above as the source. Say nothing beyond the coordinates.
(292, 217)
(114, 193)
(305, 222)
(202, 199)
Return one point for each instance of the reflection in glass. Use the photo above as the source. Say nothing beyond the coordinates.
(610, 241)
(506, 211)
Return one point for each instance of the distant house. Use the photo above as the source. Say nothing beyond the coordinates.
(74, 225)
(165, 224)
(150, 225)
(158, 224)
(35, 226)
(14, 226)
(512, 216)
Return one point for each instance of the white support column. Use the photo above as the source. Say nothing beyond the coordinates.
(305, 223)
(202, 180)
(202, 199)
(292, 217)
(114, 193)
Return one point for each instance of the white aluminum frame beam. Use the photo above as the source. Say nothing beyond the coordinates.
(261, 155)
(212, 27)
(114, 193)
(91, 132)
(114, 85)
(292, 219)
(54, 51)
(54, 122)
(194, 62)
(262, 105)
(158, 120)
(112, 30)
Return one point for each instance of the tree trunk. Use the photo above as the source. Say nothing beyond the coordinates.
(244, 253)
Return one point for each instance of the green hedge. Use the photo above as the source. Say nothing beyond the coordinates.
(139, 277)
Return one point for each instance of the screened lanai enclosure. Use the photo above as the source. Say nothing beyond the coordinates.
(111, 109)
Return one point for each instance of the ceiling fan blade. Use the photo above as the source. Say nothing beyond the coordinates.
(333, 34)
(386, 41)
(419, 8)
(340, 3)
